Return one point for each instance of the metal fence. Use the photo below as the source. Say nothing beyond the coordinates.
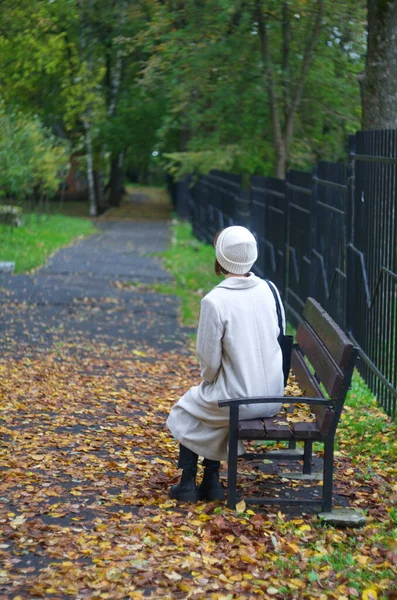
(372, 261)
(330, 234)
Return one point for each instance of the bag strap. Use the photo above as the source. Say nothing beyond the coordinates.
(278, 308)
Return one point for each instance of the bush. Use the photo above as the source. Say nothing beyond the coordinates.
(11, 215)
(32, 159)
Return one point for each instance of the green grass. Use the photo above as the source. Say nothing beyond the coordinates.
(30, 245)
(192, 265)
(71, 208)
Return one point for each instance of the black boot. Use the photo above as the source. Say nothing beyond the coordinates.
(186, 490)
(211, 488)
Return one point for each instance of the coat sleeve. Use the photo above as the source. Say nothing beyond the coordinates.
(209, 340)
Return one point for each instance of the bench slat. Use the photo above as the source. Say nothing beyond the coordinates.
(307, 383)
(277, 428)
(332, 336)
(310, 387)
(251, 430)
(306, 431)
(325, 367)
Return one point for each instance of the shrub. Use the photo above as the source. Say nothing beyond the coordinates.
(10, 215)
(32, 159)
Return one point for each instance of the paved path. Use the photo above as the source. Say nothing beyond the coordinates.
(86, 291)
(89, 368)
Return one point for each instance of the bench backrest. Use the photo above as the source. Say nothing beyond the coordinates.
(332, 356)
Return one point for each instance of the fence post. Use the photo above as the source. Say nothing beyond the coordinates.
(242, 206)
(285, 265)
(314, 224)
(287, 243)
(182, 197)
(350, 279)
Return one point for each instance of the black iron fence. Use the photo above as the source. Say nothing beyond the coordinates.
(330, 234)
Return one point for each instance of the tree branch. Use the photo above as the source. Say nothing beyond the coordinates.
(271, 85)
(307, 58)
(286, 30)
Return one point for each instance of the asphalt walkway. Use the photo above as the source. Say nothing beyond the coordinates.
(92, 291)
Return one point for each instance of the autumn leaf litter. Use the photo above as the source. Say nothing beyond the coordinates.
(86, 464)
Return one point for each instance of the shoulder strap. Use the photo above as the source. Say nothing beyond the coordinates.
(278, 308)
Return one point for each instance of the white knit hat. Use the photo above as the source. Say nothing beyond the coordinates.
(236, 250)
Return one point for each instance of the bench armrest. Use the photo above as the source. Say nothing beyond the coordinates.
(273, 399)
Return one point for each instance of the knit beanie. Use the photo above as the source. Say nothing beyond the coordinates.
(236, 250)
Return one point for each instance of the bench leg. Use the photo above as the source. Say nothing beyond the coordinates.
(307, 458)
(232, 459)
(292, 444)
(328, 475)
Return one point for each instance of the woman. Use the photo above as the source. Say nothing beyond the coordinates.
(240, 357)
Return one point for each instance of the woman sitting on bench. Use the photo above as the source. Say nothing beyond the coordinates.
(239, 353)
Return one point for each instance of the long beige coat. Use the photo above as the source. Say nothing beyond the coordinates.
(240, 357)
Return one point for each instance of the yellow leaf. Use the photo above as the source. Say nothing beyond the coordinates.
(167, 504)
(248, 559)
(241, 506)
(229, 538)
(370, 594)
(362, 559)
(17, 521)
(297, 521)
(304, 528)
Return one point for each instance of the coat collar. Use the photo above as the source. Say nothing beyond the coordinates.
(240, 283)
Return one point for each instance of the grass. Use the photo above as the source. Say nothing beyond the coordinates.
(192, 265)
(31, 244)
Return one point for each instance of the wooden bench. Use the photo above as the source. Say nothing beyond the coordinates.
(332, 356)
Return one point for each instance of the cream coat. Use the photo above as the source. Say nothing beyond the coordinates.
(240, 357)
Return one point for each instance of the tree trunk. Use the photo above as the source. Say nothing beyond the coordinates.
(90, 169)
(379, 81)
(116, 182)
(281, 165)
(100, 191)
(87, 117)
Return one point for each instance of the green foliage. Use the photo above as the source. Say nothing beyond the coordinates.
(207, 60)
(192, 265)
(31, 157)
(180, 164)
(38, 237)
(188, 81)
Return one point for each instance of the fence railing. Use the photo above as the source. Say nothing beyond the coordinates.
(330, 234)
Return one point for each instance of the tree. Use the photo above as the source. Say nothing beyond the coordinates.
(258, 86)
(283, 112)
(379, 79)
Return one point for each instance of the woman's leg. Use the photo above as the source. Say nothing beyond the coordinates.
(211, 488)
(187, 458)
(186, 490)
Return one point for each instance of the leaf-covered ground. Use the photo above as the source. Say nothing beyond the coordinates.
(86, 461)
